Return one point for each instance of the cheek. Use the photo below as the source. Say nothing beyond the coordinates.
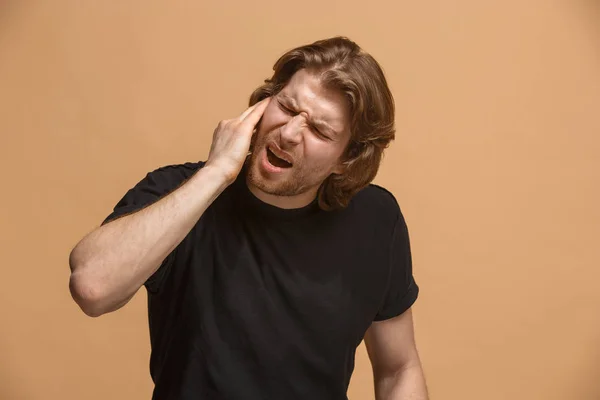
(320, 152)
(272, 118)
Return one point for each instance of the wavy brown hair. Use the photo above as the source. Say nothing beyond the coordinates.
(342, 65)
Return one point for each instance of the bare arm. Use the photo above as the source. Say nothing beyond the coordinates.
(396, 365)
(111, 263)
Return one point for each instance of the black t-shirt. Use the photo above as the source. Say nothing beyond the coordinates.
(259, 302)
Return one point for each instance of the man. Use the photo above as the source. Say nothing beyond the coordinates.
(269, 263)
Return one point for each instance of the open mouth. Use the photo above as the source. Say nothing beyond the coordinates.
(276, 161)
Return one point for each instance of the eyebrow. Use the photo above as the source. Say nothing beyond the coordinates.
(319, 123)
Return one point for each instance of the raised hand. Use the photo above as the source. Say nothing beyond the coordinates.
(231, 140)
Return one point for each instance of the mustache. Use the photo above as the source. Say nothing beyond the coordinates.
(262, 139)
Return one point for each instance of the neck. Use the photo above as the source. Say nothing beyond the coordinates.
(285, 202)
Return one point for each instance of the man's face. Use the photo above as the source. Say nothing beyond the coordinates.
(299, 142)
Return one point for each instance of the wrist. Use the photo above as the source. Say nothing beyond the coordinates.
(217, 175)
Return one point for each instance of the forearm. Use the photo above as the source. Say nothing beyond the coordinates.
(112, 262)
(406, 384)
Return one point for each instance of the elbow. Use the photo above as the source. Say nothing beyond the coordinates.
(86, 290)
(87, 294)
(92, 287)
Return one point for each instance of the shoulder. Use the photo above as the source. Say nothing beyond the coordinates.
(377, 201)
(177, 170)
(153, 186)
(377, 211)
(169, 176)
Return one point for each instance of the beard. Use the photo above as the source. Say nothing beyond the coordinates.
(295, 180)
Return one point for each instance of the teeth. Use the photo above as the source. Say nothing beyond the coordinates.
(277, 161)
(281, 158)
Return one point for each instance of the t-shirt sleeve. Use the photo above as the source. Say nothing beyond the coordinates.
(154, 186)
(402, 290)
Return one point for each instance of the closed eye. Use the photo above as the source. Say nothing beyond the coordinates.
(316, 130)
(312, 127)
(285, 109)
(319, 133)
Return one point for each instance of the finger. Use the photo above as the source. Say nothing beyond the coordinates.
(252, 118)
(251, 108)
(248, 111)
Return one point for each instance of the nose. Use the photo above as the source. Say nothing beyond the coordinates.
(291, 132)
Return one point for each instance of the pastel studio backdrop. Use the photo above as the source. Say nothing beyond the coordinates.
(496, 167)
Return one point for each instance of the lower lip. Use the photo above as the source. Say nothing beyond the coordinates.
(270, 167)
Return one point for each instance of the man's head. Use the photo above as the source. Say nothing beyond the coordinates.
(331, 115)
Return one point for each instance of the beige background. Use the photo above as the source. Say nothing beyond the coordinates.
(496, 167)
